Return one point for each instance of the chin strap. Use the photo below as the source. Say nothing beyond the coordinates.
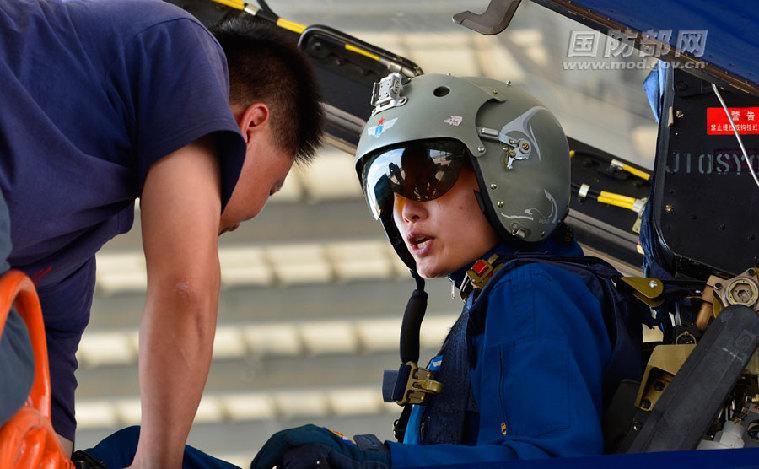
(410, 384)
(412, 321)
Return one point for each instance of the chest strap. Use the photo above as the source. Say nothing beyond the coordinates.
(410, 384)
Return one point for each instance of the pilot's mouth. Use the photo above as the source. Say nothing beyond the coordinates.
(420, 244)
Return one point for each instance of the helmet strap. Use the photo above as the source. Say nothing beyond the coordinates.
(481, 202)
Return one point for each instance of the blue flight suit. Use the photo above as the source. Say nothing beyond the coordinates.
(537, 373)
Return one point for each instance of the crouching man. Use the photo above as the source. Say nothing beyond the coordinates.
(103, 102)
(470, 179)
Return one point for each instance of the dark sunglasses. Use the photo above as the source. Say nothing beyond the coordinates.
(421, 170)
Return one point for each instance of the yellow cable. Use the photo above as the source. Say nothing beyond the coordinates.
(634, 171)
(641, 174)
(620, 197)
(615, 202)
(236, 4)
(291, 25)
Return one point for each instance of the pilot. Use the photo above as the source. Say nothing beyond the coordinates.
(470, 178)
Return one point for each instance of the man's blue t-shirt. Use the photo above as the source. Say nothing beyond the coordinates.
(92, 93)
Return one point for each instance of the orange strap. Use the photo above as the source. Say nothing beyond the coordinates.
(28, 440)
(17, 289)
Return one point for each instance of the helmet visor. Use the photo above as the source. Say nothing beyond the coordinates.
(421, 170)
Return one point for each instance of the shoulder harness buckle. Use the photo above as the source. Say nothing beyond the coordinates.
(479, 275)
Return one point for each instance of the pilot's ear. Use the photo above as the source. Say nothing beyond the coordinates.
(254, 118)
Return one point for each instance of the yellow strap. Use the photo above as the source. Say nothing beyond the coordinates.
(352, 48)
(291, 25)
(299, 28)
(236, 4)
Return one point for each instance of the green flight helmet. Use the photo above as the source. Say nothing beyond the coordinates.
(516, 147)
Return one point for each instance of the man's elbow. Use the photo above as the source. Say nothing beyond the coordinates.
(194, 294)
(191, 299)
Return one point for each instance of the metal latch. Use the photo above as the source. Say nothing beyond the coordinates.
(386, 93)
(647, 290)
(409, 385)
(419, 385)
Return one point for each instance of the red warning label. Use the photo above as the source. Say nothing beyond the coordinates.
(744, 118)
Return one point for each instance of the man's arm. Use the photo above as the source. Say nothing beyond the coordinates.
(180, 207)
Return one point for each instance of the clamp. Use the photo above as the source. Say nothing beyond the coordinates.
(410, 385)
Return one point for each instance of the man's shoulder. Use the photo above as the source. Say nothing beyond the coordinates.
(123, 17)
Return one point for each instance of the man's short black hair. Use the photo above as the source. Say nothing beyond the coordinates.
(265, 65)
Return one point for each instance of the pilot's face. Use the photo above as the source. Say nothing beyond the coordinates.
(446, 233)
(263, 173)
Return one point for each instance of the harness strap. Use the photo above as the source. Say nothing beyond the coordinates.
(444, 415)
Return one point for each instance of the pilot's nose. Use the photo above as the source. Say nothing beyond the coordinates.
(410, 210)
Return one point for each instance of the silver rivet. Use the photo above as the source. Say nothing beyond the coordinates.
(652, 284)
(668, 208)
(500, 204)
(508, 83)
(494, 186)
(679, 114)
(495, 91)
(481, 149)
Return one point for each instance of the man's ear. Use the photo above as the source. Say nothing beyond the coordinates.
(253, 119)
